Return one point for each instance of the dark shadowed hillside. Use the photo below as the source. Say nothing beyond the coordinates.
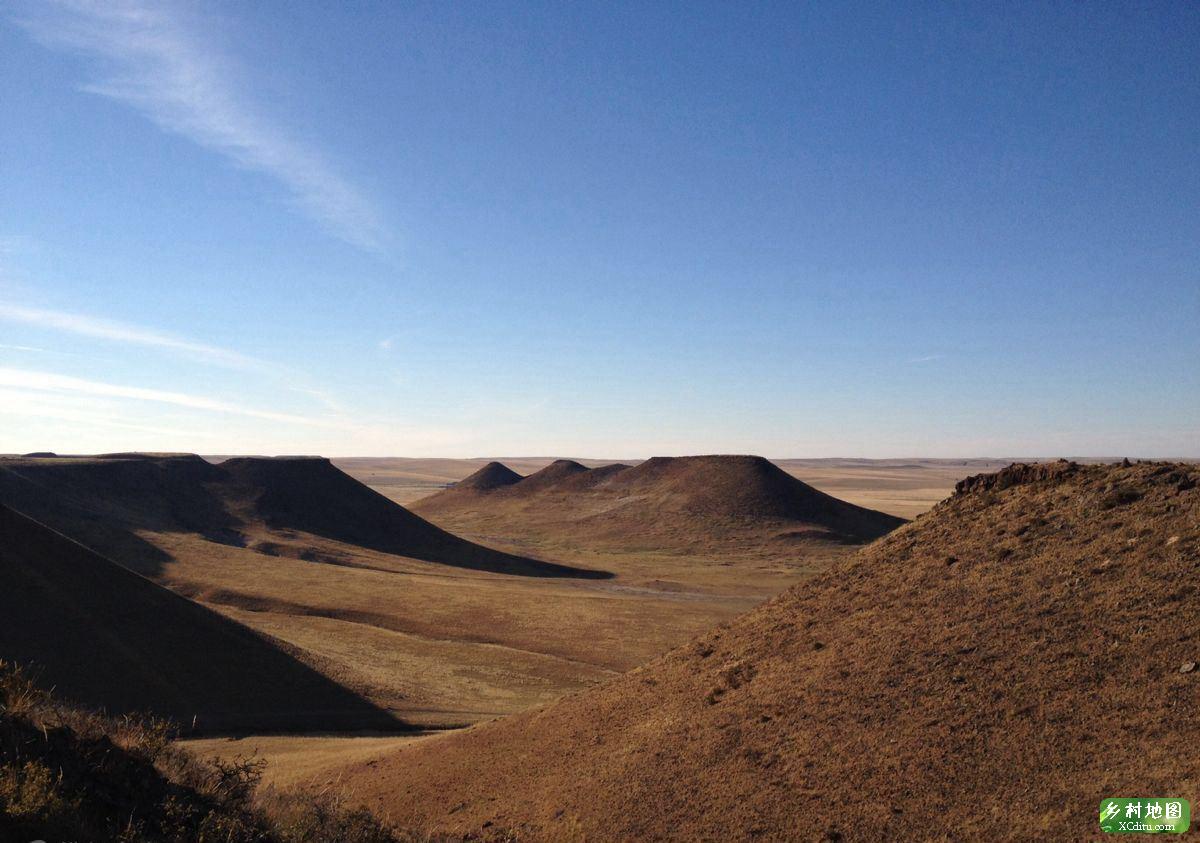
(69, 773)
(107, 502)
(104, 636)
(310, 494)
(1031, 643)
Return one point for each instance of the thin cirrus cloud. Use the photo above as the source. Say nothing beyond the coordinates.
(154, 62)
(41, 394)
(49, 382)
(105, 329)
(85, 411)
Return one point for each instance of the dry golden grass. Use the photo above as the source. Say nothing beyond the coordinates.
(440, 646)
(303, 761)
(899, 487)
(446, 648)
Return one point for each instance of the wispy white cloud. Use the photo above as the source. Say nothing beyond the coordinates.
(928, 358)
(86, 412)
(155, 62)
(56, 383)
(107, 329)
(182, 421)
(325, 399)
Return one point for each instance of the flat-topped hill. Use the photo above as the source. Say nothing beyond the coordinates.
(995, 668)
(109, 501)
(668, 503)
(104, 636)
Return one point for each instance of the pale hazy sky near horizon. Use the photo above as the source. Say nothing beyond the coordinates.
(600, 229)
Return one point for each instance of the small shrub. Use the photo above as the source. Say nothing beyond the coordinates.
(302, 817)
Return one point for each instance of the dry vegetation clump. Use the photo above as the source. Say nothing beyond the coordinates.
(71, 774)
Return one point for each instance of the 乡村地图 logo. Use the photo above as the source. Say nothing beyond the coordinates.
(1145, 816)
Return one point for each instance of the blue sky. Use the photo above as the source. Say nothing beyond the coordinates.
(601, 229)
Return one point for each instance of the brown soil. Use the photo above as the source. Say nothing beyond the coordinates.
(989, 671)
(679, 504)
(107, 501)
(105, 636)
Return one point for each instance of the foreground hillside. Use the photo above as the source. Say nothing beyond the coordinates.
(990, 671)
(67, 773)
(706, 505)
(106, 637)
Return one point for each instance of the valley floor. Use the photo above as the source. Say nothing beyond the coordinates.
(304, 761)
(443, 647)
